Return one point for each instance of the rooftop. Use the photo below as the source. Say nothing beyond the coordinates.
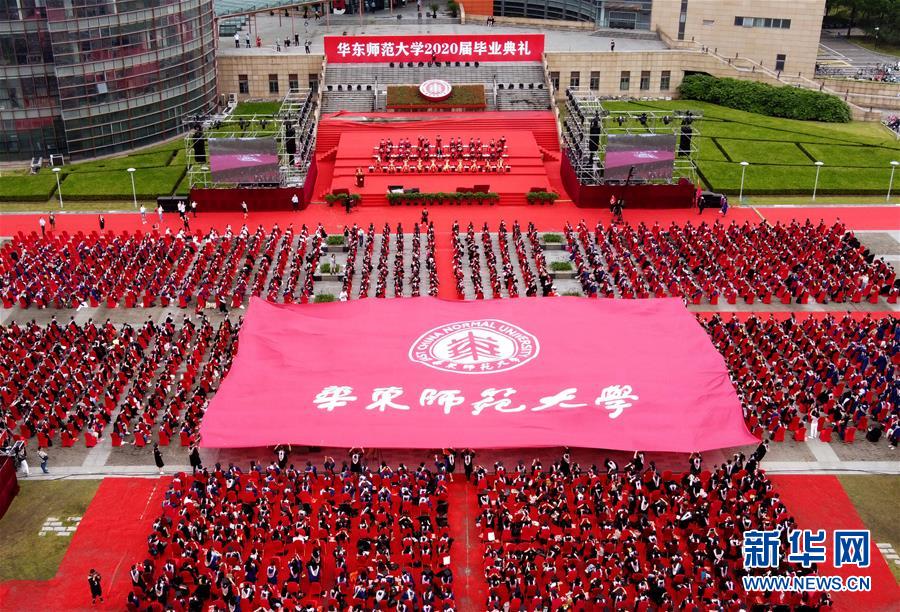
(272, 28)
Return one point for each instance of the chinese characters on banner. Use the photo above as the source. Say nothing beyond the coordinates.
(463, 47)
(614, 399)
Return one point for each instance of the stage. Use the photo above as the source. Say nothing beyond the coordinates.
(347, 141)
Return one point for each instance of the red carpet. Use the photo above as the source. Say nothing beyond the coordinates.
(469, 586)
(112, 535)
(820, 502)
(856, 217)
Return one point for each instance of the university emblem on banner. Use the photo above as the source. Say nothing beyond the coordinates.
(436, 89)
(483, 346)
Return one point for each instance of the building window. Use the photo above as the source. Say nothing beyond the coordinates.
(595, 80)
(243, 84)
(293, 82)
(273, 83)
(625, 81)
(779, 62)
(554, 79)
(574, 79)
(313, 80)
(762, 22)
(665, 80)
(682, 19)
(645, 80)
(709, 22)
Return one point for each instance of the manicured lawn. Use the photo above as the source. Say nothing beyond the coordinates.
(876, 499)
(709, 151)
(25, 554)
(257, 108)
(148, 183)
(857, 155)
(781, 153)
(22, 186)
(842, 155)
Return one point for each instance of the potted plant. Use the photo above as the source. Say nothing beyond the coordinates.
(434, 9)
(552, 242)
(453, 7)
(562, 269)
(335, 244)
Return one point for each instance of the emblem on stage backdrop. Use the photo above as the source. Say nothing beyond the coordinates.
(435, 89)
(484, 346)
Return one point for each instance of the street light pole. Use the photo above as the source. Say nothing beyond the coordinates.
(58, 187)
(816, 185)
(894, 165)
(133, 191)
(743, 170)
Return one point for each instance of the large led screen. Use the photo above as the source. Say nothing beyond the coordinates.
(651, 155)
(243, 160)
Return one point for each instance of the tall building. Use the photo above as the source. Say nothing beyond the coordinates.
(92, 77)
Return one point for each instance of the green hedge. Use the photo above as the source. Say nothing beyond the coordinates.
(788, 102)
(408, 96)
(415, 199)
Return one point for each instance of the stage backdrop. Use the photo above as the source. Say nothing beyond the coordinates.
(430, 373)
(452, 48)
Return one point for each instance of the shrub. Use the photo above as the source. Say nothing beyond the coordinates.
(787, 101)
(552, 238)
(335, 240)
(541, 197)
(560, 266)
(327, 269)
(572, 293)
(322, 298)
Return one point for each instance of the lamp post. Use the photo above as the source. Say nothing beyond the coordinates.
(744, 165)
(816, 184)
(876, 37)
(133, 191)
(58, 188)
(894, 165)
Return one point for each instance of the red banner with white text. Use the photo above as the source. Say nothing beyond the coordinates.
(431, 373)
(457, 48)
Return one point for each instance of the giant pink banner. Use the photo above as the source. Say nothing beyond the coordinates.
(430, 373)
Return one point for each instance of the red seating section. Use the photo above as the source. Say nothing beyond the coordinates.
(281, 537)
(837, 371)
(592, 539)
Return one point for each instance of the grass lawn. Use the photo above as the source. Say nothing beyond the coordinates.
(21, 187)
(876, 499)
(778, 153)
(857, 155)
(148, 183)
(257, 108)
(25, 554)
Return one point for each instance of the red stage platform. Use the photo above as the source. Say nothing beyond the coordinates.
(347, 141)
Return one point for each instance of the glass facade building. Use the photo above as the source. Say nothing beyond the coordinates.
(93, 77)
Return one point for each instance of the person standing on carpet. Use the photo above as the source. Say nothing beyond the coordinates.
(94, 579)
(194, 456)
(157, 457)
(468, 457)
(244, 208)
(102, 222)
